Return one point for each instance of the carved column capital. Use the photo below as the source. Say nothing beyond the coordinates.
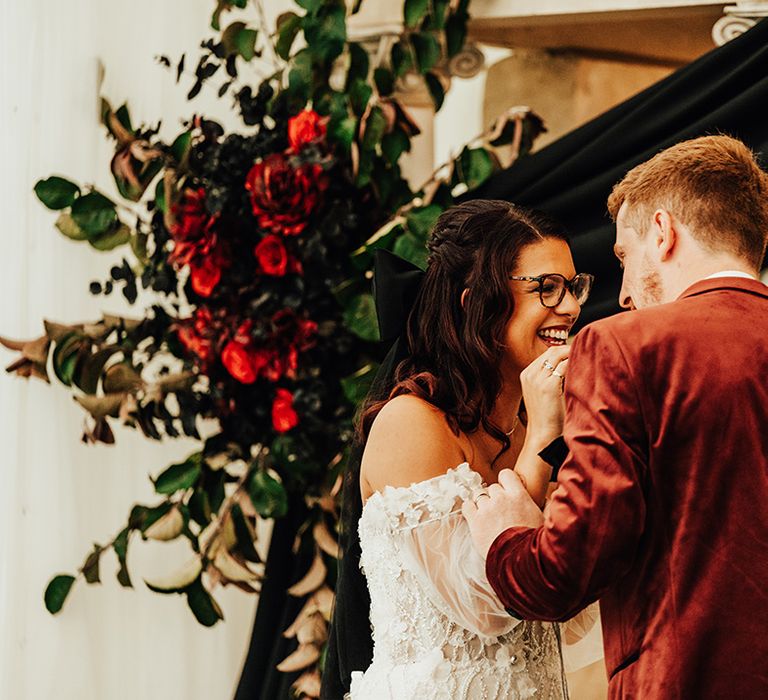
(738, 19)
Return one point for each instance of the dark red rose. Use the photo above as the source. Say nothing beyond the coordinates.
(295, 331)
(197, 334)
(284, 417)
(295, 266)
(237, 360)
(191, 218)
(206, 276)
(272, 256)
(305, 334)
(196, 344)
(283, 197)
(203, 320)
(306, 127)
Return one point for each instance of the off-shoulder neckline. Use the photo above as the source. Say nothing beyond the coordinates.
(460, 468)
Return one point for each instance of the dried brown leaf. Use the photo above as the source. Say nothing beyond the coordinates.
(304, 656)
(325, 540)
(312, 580)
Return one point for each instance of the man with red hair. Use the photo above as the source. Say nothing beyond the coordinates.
(660, 510)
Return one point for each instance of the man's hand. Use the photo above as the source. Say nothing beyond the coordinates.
(506, 505)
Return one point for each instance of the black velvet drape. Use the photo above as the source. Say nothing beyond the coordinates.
(725, 91)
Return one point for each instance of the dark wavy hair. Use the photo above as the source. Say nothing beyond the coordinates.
(455, 348)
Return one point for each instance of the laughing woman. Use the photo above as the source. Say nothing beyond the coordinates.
(487, 336)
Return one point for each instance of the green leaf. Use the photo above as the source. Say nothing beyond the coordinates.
(374, 128)
(94, 213)
(142, 517)
(476, 166)
(244, 534)
(356, 386)
(202, 604)
(427, 51)
(139, 241)
(200, 507)
(414, 11)
(124, 117)
(300, 76)
(311, 6)
(360, 317)
(326, 35)
(331, 104)
(221, 5)
(412, 249)
(65, 357)
(436, 18)
(288, 26)
(109, 240)
(385, 81)
(364, 168)
(268, 495)
(160, 195)
(394, 144)
(66, 224)
(120, 545)
(180, 476)
(359, 95)
(56, 192)
(245, 41)
(239, 40)
(402, 60)
(455, 33)
(343, 131)
(421, 221)
(91, 566)
(436, 90)
(359, 64)
(179, 151)
(57, 591)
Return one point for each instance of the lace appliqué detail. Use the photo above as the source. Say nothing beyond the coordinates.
(439, 632)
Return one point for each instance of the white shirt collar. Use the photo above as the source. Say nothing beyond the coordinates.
(731, 273)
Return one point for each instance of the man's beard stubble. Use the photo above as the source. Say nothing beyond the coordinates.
(651, 288)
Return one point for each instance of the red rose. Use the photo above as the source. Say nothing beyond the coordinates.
(196, 344)
(197, 334)
(271, 256)
(284, 418)
(205, 276)
(305, 335)
(191, 218)
(283, 197)
(238, 362)
(306, 127)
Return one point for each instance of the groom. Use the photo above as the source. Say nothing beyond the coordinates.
(661, 510)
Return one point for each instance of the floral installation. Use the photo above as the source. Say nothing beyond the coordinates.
(255, 249)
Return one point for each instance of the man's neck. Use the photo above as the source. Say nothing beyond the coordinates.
(707, 268)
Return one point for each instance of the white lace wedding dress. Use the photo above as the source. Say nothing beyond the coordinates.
(439, 631)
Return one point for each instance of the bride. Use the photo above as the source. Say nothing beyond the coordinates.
(487, 335)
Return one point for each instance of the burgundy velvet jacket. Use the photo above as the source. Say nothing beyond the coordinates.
(661, 510)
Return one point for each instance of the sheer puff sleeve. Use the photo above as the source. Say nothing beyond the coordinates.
(433, 543)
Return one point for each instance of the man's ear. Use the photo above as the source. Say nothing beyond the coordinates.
(664, 230)
(464, 296)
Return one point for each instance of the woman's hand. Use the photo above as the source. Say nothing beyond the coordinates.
(542, 383)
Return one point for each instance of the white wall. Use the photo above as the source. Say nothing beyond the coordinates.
(57, 496)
